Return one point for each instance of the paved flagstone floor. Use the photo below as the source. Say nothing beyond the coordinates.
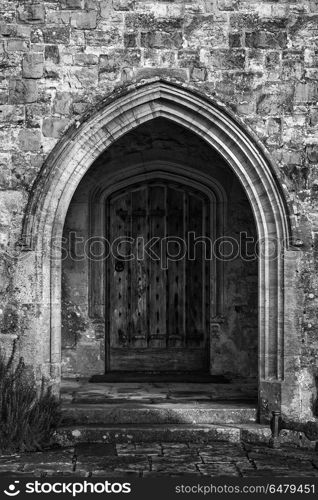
(172, 459)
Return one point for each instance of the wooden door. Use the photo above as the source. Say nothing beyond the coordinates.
(158, 309)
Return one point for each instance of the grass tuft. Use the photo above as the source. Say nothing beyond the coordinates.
(28, 417)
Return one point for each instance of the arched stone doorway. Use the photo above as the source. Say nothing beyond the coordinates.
(188, 304)
(86, 141)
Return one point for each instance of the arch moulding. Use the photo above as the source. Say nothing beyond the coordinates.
(80, 147)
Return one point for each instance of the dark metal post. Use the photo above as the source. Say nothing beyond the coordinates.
(275, 427)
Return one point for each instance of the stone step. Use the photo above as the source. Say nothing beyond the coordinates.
(164, 413)
(203, 433)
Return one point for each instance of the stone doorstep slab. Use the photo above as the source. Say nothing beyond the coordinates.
(157, 414)
(84, 392)
(252, 433)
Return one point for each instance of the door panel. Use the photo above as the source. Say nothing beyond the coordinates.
(157, 278)
(138, 270)
(196, 321)
(119, 291)
(158, 307)
(176, 269)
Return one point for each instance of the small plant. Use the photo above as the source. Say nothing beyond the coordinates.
(27, 417)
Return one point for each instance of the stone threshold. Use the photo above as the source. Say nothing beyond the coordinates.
(199, 412)
(204, 433)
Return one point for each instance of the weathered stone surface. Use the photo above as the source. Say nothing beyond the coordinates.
(62, 103)
(227, 4)
(109, 37)
(273, 105)
(161, 40)
(84, 20)
(85, 59)
(33, 13)
(13, 114)
(22, 91)
(32, 65)
(227, 59)
(17, 46)
(171, 459)
(30, 140)
(312, 153)
(88, 77)
(56, 35)
(72, 4)
(53, 127)
(52, 53)
(306, 92)
(266, 40)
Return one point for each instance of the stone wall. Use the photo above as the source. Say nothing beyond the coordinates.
(59, 58)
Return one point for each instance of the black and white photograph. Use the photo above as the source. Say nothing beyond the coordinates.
(159, 249)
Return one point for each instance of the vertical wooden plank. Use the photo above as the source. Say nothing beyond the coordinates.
(138, 266)
(157, 281)
(196, 303)
(118, 281)
(175, 271)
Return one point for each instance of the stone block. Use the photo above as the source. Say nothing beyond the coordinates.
(8, 29)
(22, 91)
(88, 77)
(177, 74)
(118, 59)
(17, 46)
(29, 140)
(227, 59)
(54, 127)
(227, 4)
(85, 59)
(311, 74)
(51, 53)
(123, 4)
(272, 61)
(312, 153)
(79, 108)
(110, 63)
(271, 104)
(313, 117)
(56, 35)
(5, 179)
(136, 20)
(161, 40)
(106, 38)
(130, 40)
(84, 20)
(60, 17)
(24, 167)
(266, 40)
(244, 20)
(32, 65)
(33, 13)
(72, 4)
(198, 74)
(306, 92)
(62, 103)
(106, 7)
(12, 114)
(92, 4)
(206, 33)
(235, 40)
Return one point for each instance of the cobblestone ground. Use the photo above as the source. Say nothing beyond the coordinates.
(172, 459)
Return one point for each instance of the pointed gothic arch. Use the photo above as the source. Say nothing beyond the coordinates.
(86, 140)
